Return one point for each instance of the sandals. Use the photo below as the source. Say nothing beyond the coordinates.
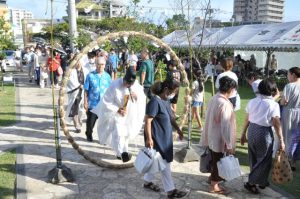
(78, 131)
(251, 188)
(208, 181)
(178, 194)
(151, 186)
(293, 165)
(264, 186)
(221, 191)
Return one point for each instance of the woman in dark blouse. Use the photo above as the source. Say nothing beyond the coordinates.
(159, 120)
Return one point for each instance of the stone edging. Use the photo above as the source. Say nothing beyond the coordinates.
(20, 185)
(281, 191)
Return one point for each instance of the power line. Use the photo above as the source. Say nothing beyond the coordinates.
(174, 9)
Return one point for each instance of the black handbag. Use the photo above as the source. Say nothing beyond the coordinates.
(205, 161)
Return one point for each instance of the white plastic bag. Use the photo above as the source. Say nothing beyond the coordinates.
(158, 164)
(44, 75)
(144, 160)
(229, 168)
(238, 103)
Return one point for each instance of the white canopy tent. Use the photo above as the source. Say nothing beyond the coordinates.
(283, 36)
(277, 37)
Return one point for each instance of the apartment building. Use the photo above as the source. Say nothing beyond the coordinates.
(99, 9)
(16, 16)
(258, 11)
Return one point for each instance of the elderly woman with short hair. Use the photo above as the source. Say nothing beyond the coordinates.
(220, 129)
(262, 113)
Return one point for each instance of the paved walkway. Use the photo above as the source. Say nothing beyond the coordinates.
(34, 132)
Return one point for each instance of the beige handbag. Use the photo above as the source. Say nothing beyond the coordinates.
(281, 172)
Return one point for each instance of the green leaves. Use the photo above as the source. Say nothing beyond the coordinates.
(83, 39)
(6, 40)
(177, 22)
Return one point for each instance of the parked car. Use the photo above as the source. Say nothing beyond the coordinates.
(38, 40)
(10, 60)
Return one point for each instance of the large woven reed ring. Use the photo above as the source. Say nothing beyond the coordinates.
(92, 45)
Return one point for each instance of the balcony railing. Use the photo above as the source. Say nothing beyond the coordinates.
(90, 17)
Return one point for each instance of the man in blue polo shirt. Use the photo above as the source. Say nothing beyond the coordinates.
(95, 86)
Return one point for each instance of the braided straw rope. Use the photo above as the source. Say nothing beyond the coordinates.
(92, 45)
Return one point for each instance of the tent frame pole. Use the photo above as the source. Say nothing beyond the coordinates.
(269, 52)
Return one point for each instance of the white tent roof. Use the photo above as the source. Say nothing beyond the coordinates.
(278, 36)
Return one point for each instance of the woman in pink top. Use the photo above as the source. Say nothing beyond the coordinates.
(220, 129)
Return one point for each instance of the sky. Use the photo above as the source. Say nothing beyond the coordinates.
(165, 8)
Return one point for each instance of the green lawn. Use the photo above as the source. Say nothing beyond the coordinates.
(246, 94)
(7, 108)
(8, 159)
(7, 174)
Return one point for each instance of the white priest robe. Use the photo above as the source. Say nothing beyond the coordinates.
(73, 83)
(116, 130)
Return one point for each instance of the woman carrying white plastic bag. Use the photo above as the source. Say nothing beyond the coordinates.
(229, 168)
(220, 129)
(149, 161)
(158, 134)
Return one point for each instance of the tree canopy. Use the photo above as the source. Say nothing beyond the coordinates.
(100, 27)
(6, 39)
(177, 22)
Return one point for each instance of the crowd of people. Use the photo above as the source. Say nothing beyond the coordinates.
(44, 66)
(120, 104)
(270, 114)
(124, 104)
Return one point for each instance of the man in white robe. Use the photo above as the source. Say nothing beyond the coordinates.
(121, 120)
(75, 109)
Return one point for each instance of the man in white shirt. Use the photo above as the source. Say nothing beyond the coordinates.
(36, 64)
(17, 57)
(253, 79)
(210, 69)
(132, 57)
(90, 65)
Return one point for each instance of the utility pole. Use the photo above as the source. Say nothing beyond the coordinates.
(24, 31)
(72, 23)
